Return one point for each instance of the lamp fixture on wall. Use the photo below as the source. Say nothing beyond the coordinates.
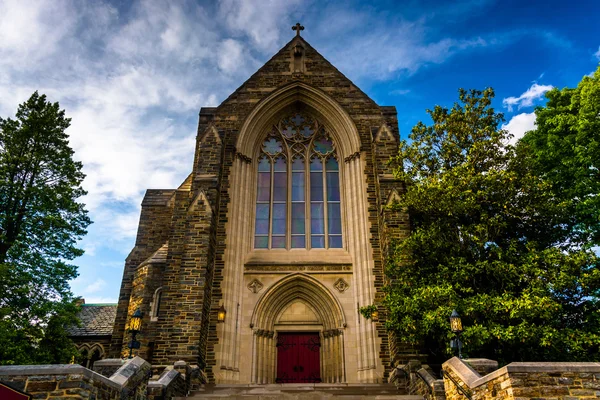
(135, 326)
(375, 315)
(221, 314)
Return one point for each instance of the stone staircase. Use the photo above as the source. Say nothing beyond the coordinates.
(301, 391)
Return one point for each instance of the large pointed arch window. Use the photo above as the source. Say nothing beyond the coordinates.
(298, 193)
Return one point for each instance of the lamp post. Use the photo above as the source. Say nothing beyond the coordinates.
(135, 326)
(456, 328)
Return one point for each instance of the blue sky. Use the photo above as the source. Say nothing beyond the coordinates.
(133, 75)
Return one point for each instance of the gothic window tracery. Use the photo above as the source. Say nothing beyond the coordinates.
(298, 189)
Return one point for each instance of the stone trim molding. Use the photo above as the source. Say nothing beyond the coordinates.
(341, 285)
(285, 269)
(301, 286)
(255, 286)
(243, 157)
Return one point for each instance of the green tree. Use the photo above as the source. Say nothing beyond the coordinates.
(40, 224)
(489, 240)
(566, 145)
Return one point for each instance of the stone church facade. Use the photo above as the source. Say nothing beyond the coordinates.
(281, 226)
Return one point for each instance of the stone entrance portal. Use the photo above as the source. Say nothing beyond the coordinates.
(298, 334)
(298, 357)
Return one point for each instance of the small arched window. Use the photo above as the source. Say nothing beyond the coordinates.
(298, 193)
(83, 356)
(155, 306)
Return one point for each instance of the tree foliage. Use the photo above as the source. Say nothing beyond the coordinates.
(40, 224)
(487, 239)
(566, 147)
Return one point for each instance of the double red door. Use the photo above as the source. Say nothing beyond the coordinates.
(298, 358)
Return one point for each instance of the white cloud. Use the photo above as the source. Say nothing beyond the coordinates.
(132, 88)
(86, 285)
(389, 46)
(399, 92)
(95, 286)
(597, 54)
(100, 300)
(519, 124)
(32, 30)
(260, 20)
(535, 92)
(230, 56)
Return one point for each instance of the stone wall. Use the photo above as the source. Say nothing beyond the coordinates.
(108, 367)
(418, 379)
(153, 231)
(112, 379)
(523, 380)
(76, 382)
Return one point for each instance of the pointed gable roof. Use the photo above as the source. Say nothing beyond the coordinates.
(315, 71)
(279, 64)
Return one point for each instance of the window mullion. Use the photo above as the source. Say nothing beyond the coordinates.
(289, 204)
(325, 211)
(307, 224)
(272, 177)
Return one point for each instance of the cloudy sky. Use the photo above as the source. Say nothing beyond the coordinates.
(133, 75)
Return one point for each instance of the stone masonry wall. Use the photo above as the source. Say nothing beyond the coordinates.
(179, 326)
(153, 231)
(71, 381)
(521, 380)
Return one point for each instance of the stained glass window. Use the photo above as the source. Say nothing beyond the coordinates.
(298, 188)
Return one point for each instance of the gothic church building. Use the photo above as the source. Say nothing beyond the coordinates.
(254, 268)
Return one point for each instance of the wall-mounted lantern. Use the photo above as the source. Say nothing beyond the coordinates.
(135, 326)
(375, 315)
(221, 314)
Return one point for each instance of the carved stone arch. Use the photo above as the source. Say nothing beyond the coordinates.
(84, 346)
(96, 353)
(99, 347)
(330, 324)
(343, 130)
(302, 287)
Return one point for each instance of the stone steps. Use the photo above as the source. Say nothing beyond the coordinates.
(302, 391)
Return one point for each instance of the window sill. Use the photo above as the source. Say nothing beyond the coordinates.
(299, 257)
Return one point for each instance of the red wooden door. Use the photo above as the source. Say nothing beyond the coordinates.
(298, 358)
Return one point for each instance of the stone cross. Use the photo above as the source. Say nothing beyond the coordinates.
(297, 28)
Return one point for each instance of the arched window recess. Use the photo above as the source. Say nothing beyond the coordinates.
(298, 190)
(155, 305)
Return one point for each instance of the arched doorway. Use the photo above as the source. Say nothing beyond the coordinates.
(298, 333)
